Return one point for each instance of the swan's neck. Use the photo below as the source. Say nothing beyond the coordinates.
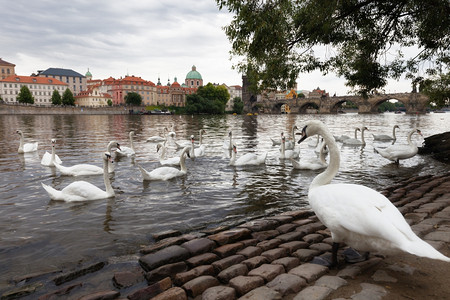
(131, 142)
(326, 176)
(322, 154)
(109, 189)
(362, 136)
(192, 152)
(283, 149)
(53, 154)
(293, 135)
(21, 141)
(356, 136)
(231, 144)
(200, 138)
(409, 137)
(183, 160)
(393, 133)
(233, 157)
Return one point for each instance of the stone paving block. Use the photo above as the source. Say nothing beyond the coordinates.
(101, 295)
(433, 221)
(313, 238)
(370, 292)
(269, 244)
(250, 251)
(198, 285)
(219, 293)
(287, 262)
(422, 229)
(442, 215)
(328, 240)
(183, 277)
(228, 249)
(364, 265)
(265, 235)
(174, 293)
(199, 246)
(202, 259)
(309, 272)
(332, 282)
(255, 262)
(166, 243)
(287, 284)
(302, 222)
(231, 272)
(290, 236)
(165, 234)
(442, 236)
(260, 225)
(127, 278)
(305, 254)
(293, 246)
(285, 228)
(230, 236)
(249, 242)
(299, 214)
(152, 290)
(438, 245)
(313, 293)
(382, 275)
(267, 272)
(262, 293)
(349, 272)
(274, 254)
(431, 208)
(164, 256)
(244, 284)
(321, 247)
(168, 270)
(224, 263)
(282, 219)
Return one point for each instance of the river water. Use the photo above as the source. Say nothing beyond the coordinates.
(37, 234)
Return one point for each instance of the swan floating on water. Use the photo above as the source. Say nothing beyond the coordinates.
(248, 159)
(166, 173)
(228, 144)
(287, 154)
(49, 159)
(157, 138)
(397, 152)
(276, 142)
(357, 215)
(344, 137)
(355, 141)
(26, 147)
(127, 151)
(171, 161)
(86, 169)
(315, 164)
(385, 137)
(82, 190)
(290, 144)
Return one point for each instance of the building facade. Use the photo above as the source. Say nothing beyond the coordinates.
(93, 97)
(7, 69)
(193, 79)
(75, 81)
(41, 88)
(119, 88)
(173, 94)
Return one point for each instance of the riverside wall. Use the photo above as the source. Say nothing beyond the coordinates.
(19, 109)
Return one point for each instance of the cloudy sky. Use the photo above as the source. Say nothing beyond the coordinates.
(149, 39)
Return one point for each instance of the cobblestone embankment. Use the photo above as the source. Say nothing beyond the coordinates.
(266, 259)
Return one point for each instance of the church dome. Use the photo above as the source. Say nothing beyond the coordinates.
(194, 74)
(88, 74)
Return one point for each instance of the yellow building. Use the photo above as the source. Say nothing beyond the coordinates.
(92, 97)
(6, 69)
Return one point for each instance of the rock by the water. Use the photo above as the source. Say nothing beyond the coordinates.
(438, 145)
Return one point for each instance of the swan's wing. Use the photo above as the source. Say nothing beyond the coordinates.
(359, 209)
(57, 159)
(82, 191)
(46, 158)
(80, 169)
(30, 147)
(163, 173)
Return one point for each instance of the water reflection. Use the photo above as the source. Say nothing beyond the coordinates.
(33, 228)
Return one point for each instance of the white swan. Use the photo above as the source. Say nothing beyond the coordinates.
(290, 144)
(385, 137)
(171, 161)
(49, 159)
(201, 146)
(196, 152)
(357, 215)
(314, 164)
(276, 142)
(127, 151)
(321, 147)
(355, 141)
(397, 152)
(87, 169)
(26, 147)
(248, 159)
(82, 190)
(286, 154)
(166, 173)
(228, 144)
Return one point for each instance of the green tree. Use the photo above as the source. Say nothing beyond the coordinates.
(109, 102)
(212, 92)
(67, 98)
(277, 40)
(438, 89)
(25, 96)
(133, 98)
(196, 104)
(238, 105)
(56, 98)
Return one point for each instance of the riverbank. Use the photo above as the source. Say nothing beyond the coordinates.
(267, 258)
(20, 109)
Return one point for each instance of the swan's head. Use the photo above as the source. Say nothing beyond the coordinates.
(357, 129)
(192, 138)
(234, 149)
(202, 131)
(19, 132)
(131, 133)
(53, 142)
(295, 127)
(158, 146)
(283, 139)
(107, 157)
(364, 128)
(396, 126)
(311, 128)
(230, 134)
(111, 144)
(419, 132)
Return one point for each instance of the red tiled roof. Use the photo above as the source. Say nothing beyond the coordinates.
(33, 79)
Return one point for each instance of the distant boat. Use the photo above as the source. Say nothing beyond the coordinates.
(398, 112)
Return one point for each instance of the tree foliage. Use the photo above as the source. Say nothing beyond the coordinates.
(437, 89)
(133, 98)
(238, 105)
(363, 41)
(109, 102)
(209, 99)
(67, 98)
(56, 98)
(25, 96)
(212, 92)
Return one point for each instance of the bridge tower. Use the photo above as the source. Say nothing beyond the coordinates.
(247, 96)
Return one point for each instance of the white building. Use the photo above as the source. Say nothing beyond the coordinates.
(41, 88)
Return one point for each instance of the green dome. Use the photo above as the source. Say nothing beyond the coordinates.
(88, 74)
(193, 74)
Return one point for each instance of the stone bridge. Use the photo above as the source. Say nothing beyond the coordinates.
(414, 103)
